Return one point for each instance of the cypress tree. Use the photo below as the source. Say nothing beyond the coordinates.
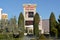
(59, 26)
(52, 22)
(36, 24)
(21, 23)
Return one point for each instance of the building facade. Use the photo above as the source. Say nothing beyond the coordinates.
(45, 26)
(29, 12)
(3, 15)
(3, 19)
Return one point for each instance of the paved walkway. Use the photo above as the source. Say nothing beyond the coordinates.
(27, 38)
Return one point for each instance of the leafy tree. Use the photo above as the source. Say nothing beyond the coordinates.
(36, 23)
(21, 23)
(12, 24)
(52, 22)
(4, 25)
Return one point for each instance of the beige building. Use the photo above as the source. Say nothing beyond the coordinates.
(3, 15)
(29, 12)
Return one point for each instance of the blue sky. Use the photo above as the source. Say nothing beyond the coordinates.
(44, 7)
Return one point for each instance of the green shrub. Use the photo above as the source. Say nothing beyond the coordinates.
(21, 34)
(1, 30)
(42, 37)
(2, 36)
(10, 35)
(5, 36)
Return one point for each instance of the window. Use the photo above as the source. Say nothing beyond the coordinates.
(30, 14)
(28, 22)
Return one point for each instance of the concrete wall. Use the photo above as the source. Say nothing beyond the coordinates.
(45, 25)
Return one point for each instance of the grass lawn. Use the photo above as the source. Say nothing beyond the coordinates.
(8, 36)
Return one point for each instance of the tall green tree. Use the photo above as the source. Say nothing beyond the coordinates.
(36, 24)
(21, 23)
(52, 22)
(59, 26)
